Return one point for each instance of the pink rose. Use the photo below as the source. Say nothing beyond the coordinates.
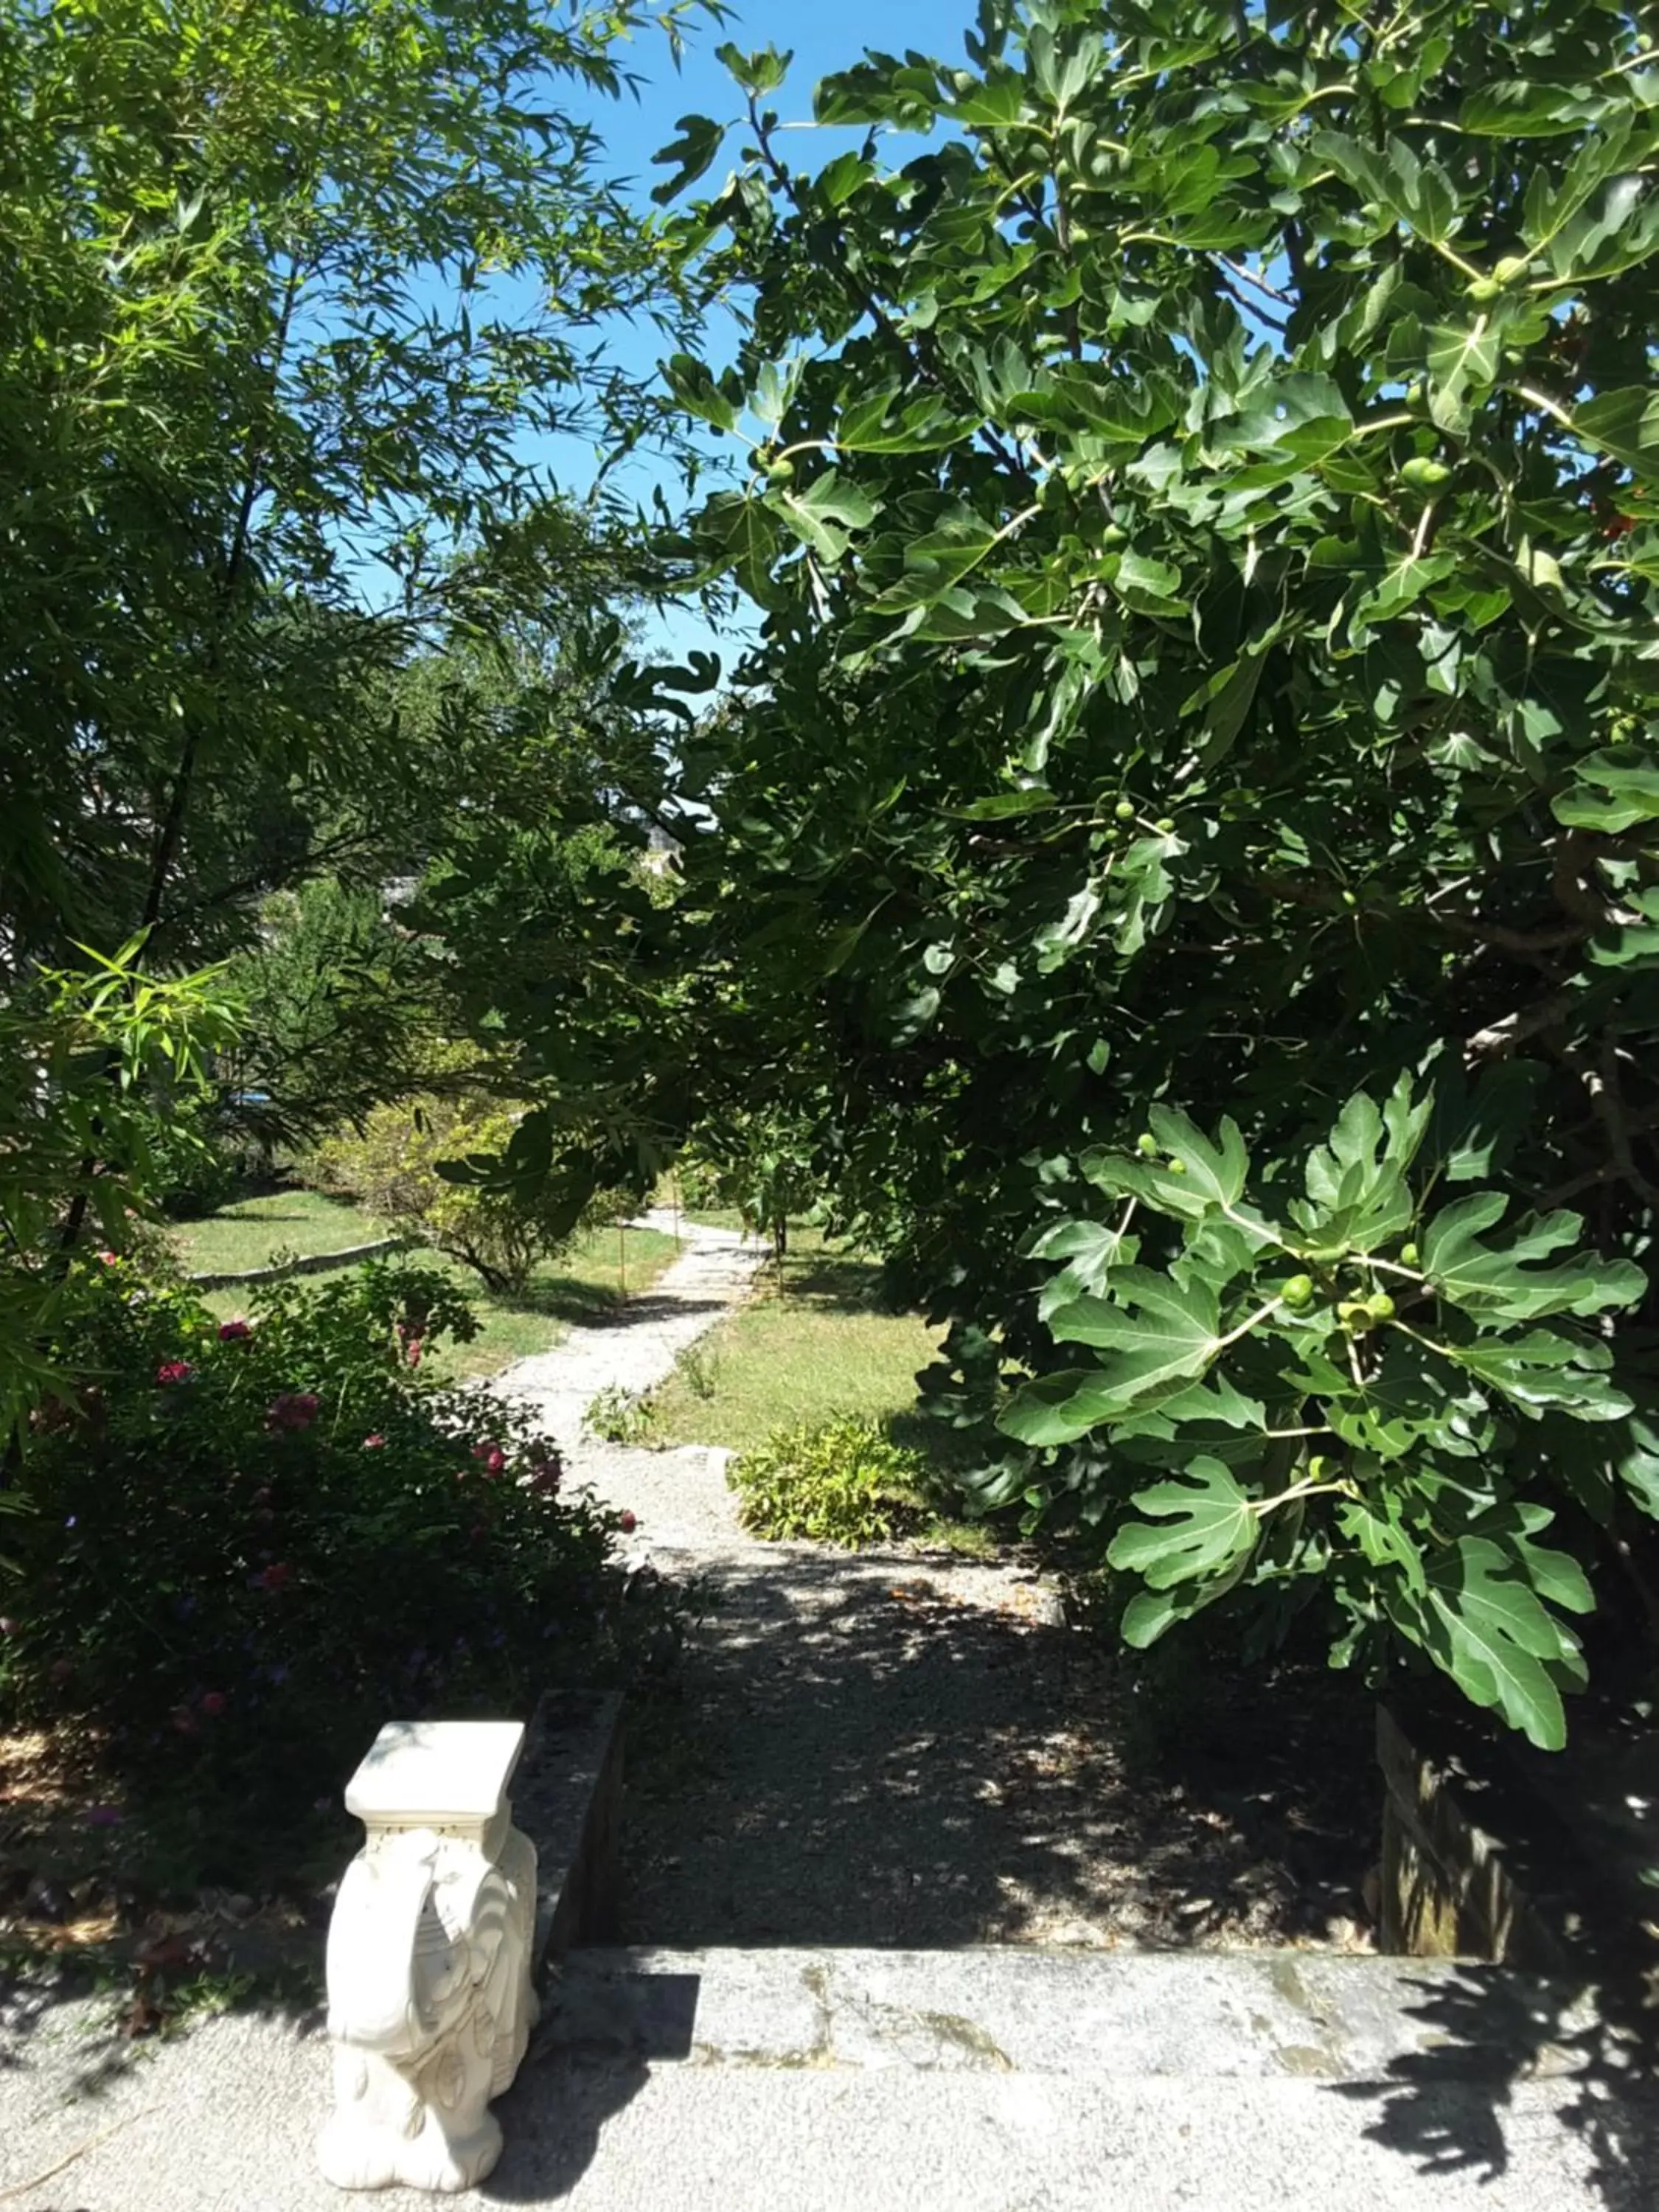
(373, 1444)
(213, 1703)
(627, 1524)
(490, 1457)
(232, 1332)
(174, 1370)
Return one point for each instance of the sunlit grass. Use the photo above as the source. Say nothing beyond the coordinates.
(582, 1283)
(816, 1346)
(256, 1230)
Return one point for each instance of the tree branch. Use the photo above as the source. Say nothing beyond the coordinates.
(1600, 1082)
(922, 358)
(1500, 1038)
(172, 824)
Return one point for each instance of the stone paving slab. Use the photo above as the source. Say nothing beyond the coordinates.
(1125, 2014)
(224, 2121)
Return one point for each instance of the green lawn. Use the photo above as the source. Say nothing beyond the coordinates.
(797, 1355)
(817, 1347)
(583, 1283)
(241, 1237)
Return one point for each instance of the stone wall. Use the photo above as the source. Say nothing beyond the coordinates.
(314, 1263)
(1462, 1875)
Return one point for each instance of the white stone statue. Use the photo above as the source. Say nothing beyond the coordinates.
(430, 1999)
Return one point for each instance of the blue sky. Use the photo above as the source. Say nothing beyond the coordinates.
(823, 39)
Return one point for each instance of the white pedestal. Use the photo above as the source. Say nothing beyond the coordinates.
(429, 2001)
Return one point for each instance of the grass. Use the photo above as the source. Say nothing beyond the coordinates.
(582, 1283)
(253, 1233)
(817, 1346)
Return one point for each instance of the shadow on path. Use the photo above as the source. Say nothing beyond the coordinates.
(1446, 2108)
(865, 1757)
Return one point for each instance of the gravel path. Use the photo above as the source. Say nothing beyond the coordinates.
(911, 1749)
(637, 1349)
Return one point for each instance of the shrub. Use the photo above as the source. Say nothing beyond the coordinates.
(247, 1544)
(616, 1416)
(761, 1163)
(844, 1482)
(392, 1166)
(195, 1169)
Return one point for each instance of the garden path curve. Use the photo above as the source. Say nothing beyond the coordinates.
(635, 1349)
(876, 1764)
(909, 1746)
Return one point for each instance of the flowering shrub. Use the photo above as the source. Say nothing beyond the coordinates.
(247, 1545)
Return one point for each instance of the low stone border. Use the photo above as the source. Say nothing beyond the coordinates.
(566, 1798)
(314, 1263)
(1471, 1865)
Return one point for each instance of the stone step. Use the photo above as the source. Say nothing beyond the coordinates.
(874, 2081)
(1103, 2015)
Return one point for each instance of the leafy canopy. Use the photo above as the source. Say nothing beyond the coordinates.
(1200, 508)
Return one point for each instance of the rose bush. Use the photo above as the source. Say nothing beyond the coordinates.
(245, 1545)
